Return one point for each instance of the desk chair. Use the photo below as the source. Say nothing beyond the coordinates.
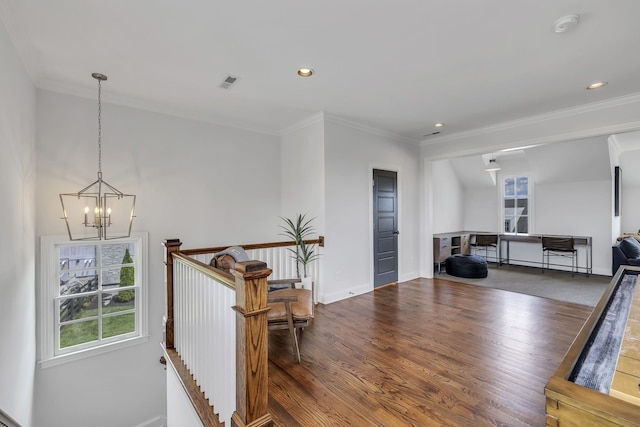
(290, 308)
(562, 246)
(487, 242)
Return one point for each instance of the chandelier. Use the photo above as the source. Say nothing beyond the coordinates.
(99, 211)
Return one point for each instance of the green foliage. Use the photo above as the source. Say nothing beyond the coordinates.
(127, 278)
(87, 331)
(306, 255)
(300, 229)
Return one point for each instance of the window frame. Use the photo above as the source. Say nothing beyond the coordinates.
(530, 204)
(49, 284)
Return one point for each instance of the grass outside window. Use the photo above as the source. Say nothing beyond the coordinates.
(87, 331)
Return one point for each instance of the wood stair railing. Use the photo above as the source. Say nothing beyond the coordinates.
(251, 345)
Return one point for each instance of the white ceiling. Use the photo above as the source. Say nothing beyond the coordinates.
(399, 66)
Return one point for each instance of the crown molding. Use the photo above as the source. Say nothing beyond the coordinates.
(304, 123)
(567, 136)
(323, 116)
(587, 133)
(541, 118)
(369, 129)
(154, 107)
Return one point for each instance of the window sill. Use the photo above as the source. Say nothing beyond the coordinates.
(91, 352)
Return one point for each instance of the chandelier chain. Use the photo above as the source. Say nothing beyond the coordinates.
(99, 127)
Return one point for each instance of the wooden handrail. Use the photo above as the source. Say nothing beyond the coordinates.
(221, 276)
(319, 241)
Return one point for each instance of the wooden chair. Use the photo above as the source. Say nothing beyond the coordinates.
(290, 308)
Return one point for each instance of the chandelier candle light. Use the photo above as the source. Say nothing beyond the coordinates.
(100, 199)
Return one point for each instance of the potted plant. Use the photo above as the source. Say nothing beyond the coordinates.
(300, 229)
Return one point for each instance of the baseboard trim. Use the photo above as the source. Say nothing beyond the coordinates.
(159, 421)
(346, 293)
(6, 420)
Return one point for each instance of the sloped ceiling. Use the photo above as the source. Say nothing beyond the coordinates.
(572, 161)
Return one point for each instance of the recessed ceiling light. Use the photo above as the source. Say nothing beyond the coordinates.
(439, 125)
(566, 23)
(305, 72)
(596, 85)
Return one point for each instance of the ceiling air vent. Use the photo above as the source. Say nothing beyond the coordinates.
(431, 134)
(228, 82)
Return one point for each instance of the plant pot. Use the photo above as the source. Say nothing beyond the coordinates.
(306, 283)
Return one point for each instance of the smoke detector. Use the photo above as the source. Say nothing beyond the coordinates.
(228, 81)
(566, 23)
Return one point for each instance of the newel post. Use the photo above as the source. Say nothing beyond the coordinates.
(171, 246)
(252, 383)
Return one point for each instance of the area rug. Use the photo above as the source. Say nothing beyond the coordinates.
(554, 284)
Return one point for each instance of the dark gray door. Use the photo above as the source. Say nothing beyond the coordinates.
(385, 227)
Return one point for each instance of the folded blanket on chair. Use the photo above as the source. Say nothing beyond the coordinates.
(236, 252)
(226, 259)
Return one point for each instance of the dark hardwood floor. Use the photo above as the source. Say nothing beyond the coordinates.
(423, 353)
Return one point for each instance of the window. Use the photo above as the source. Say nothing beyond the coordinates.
(515, 205)
(94, 296)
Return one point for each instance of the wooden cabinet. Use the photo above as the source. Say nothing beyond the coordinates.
(447, 244)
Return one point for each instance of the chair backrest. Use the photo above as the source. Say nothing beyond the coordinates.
(486, 239)
(558, 243)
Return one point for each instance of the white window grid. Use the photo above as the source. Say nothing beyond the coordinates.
(51, 353)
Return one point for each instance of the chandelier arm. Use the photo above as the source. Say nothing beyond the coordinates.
(88, 187)
(112, 188)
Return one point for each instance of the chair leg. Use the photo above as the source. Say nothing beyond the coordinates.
(292, 333)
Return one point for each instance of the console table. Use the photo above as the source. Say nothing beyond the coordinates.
(459, 242)
(537, 239)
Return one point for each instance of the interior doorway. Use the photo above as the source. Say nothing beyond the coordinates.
(385, 227)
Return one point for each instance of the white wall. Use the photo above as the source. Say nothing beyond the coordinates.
(581, 209)
(302, 172)
(17, 250)
(482, 209)
(202, 183)
(630, 195)
(448, 197)
(180, 411)
(351, 154)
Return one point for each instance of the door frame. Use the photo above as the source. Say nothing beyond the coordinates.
(390, 168)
